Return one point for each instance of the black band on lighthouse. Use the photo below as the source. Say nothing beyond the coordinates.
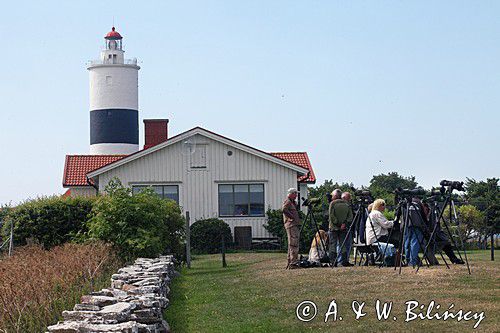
(114, 126)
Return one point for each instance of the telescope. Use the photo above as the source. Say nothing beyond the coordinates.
(311, 201)
(361, 193)
(412, 192)
(453, 184)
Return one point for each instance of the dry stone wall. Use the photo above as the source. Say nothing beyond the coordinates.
(133, 304)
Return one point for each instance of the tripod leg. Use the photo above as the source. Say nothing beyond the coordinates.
(461, 240)
(313, 221)
(445, 262)
(448, 200)
(435, 245)
(402, 241)
(427, 248)
(306, 221)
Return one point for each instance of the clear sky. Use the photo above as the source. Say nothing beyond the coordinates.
(365, 87)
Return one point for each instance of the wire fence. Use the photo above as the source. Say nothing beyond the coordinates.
(9, 242)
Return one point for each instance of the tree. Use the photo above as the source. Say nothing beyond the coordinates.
(472, 221)
(138, 225)
(485, 196)
(383, 185)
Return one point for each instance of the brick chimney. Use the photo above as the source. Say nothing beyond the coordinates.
(155, 132)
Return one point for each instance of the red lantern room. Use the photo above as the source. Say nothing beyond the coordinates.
(113, 40)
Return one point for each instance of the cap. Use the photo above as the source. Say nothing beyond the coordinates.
(292, 190)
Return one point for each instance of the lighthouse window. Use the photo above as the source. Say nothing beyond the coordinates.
(109, 80)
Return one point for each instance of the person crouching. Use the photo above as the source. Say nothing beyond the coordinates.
(318, 252)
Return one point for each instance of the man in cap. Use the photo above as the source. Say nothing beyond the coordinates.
(340, 217)
(291, 222)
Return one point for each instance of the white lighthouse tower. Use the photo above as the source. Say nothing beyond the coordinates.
(114, 115)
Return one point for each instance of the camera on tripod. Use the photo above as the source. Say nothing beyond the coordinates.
(362, 195)
(436, 194)
(408, 194)
(310, 202)
(453, 185)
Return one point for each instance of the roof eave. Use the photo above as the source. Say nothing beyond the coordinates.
(194, 131)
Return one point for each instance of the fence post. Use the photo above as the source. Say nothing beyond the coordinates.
(223, 249)
(188, 242)
(11, 241)
(492, 246)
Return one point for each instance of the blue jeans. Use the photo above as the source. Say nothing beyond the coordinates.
(413, 238)
(347, 246)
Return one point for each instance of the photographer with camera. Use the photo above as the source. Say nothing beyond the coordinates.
(340, 218)
(291, 221)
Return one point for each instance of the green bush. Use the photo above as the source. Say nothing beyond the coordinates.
(206, 235)
(50, 221)
(277, 229)
(138, 225)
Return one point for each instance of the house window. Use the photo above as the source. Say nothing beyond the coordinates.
(199, 157)
(163, 191)
(241, 200)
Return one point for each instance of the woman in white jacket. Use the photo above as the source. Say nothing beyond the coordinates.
(377, 226)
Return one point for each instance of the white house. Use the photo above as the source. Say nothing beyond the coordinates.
(208, 174)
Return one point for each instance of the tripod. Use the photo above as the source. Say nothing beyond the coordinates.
(435, 222)
(452, 213)
(309, 219)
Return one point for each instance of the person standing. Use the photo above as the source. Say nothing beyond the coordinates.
(414, 236)
(340, 217)
(346, 196)
(291, 221)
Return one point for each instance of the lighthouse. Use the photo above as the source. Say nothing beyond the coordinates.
(114, 105)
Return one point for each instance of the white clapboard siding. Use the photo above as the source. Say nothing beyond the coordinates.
(82, 191)
(198, 188)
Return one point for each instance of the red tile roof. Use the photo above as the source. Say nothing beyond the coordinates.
(301, 159)
(76, 167)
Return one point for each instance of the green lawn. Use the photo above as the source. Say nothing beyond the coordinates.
(255, 294)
